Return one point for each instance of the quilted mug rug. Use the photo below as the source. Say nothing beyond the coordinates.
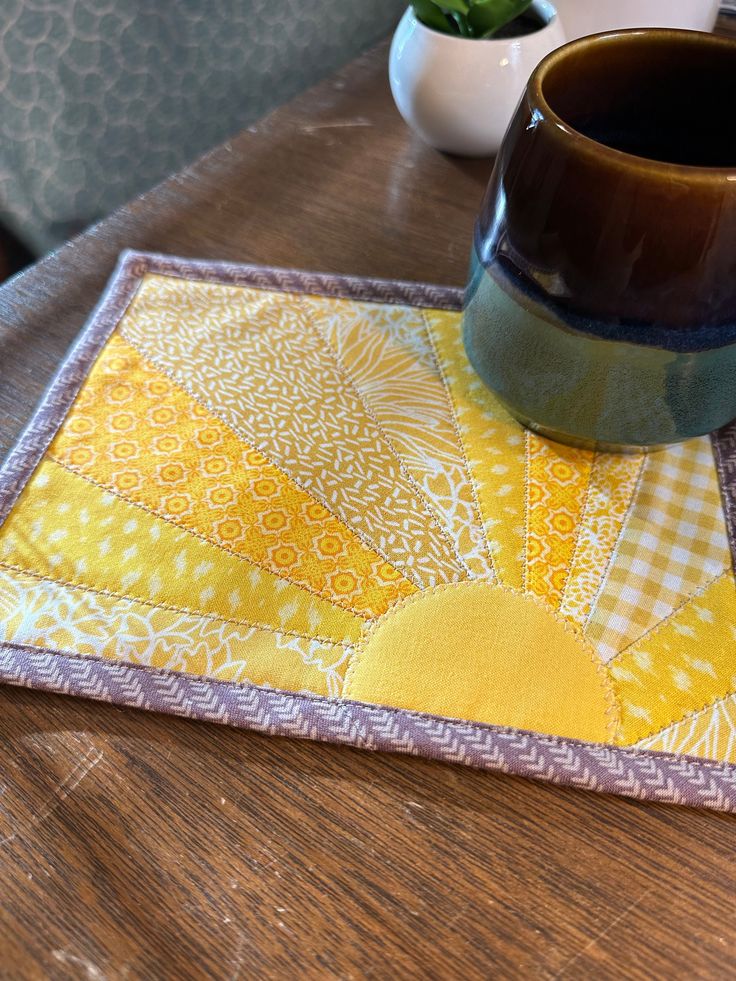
(284, 501)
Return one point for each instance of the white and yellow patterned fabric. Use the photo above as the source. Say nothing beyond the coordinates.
(318, 495)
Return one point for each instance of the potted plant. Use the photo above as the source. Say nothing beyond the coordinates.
(457, 68)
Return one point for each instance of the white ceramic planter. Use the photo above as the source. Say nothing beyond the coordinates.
(581, 17)
(459, 94)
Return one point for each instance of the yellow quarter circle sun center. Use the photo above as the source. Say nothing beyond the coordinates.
(479, 651)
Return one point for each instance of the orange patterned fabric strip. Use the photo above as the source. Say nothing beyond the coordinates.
(156, 447)
(558, 484)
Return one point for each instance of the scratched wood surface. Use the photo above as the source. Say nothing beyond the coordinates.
(139, 846)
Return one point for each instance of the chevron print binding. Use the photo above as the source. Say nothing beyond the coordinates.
(645, 776)
(637, 773)
(724, 449)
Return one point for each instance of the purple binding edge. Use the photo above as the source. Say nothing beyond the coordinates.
(724, 450)
(641, 774)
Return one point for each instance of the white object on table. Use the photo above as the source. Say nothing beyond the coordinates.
(459, 94)
(581, 17)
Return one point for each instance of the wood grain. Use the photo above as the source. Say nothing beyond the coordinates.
(139, 846)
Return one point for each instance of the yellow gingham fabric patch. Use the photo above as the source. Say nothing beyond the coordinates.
(673, 543)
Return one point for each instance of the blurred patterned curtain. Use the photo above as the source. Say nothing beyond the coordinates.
(99, 99)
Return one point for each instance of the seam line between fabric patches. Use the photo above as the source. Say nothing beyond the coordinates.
(617, 544)
(579, 531)
(209, 541)
(698, 762)
(179, 385)
(689, 715)
(527, 487)
(257, 445)
(450, 401)
(99, 591)
(428, 509)
(663, 623)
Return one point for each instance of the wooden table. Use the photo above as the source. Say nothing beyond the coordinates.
(139, 846)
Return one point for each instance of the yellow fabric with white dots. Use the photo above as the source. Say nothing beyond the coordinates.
(494, 446)
(320, 495)
(72, 532)
(687, 661)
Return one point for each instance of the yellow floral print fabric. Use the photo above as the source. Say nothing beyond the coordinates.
(320, 495)
(43, 613)
(158, 448)
(389, 356)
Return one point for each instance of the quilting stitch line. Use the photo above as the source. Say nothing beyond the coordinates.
(345, 643)
(256, 444)
(684, 718)
(578, 532)
(241, 439)
(450, 400)
(527, 470)
(619, 537)
(347, 377)
(665, 730)
(624, 519)
(663, 623)
(195, 534)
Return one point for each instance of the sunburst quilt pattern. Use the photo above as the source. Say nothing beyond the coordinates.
(284, 501)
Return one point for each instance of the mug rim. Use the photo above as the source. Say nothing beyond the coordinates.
(591, 147)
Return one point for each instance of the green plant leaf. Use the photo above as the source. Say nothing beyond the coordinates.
(488, 16)
(458, 6)
(461, 22)
(431, 16)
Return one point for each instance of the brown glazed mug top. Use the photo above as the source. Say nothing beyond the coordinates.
(619, 180)
(601, 305)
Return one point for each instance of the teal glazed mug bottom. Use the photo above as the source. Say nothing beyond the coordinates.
(563, 381)
(601, 305)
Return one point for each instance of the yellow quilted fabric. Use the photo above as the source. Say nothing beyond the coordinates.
(158, 448)
(319, 495)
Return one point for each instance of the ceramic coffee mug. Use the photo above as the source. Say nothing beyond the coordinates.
(601, 306)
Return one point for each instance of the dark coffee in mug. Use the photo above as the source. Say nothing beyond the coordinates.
(652, 107)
